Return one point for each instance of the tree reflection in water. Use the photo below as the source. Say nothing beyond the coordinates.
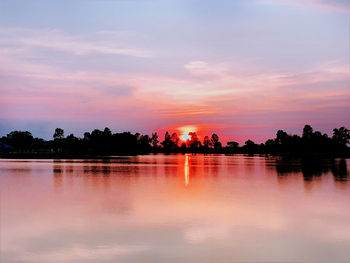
(313, 168)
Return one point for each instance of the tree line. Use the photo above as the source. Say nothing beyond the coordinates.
(106, 143)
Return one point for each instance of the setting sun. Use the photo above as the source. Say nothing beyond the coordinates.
(185, 137)
(185, 130)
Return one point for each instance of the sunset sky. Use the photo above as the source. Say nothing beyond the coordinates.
(242, 69)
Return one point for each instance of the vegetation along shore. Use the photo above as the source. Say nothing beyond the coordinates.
(21, 144)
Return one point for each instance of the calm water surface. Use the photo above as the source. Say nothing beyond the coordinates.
(178, 208)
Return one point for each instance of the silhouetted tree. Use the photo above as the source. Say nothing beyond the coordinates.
(106, 143)
(125, 142)
(232, 144)
(167, 143)
(96, 134)
(341, 136)
(175, 142)
(214, 138)
(281, 137)
(207, 144)
(250, 147)
(107, 132)
(175, 139)
(87, 136)
(72, 143)
(144, 143)
(232, 147)
(183, 147)
(96, 141)
(59, 134)
(21, 140)
(154, 140)
(216, 143)
(194, 144)
(307, 132)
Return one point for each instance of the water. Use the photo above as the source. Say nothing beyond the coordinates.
(179, 208)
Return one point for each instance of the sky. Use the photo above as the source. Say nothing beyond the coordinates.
(242, 69)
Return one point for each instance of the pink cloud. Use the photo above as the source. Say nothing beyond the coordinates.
(331, 5)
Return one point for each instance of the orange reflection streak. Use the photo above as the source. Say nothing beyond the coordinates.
(187, 170)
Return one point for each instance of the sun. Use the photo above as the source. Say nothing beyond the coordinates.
(185, 137)
(185, 130)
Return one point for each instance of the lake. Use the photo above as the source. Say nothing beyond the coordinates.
(175, 208)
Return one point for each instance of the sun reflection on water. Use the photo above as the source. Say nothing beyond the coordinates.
(187, 170)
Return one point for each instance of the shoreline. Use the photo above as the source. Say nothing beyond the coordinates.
(121, 155)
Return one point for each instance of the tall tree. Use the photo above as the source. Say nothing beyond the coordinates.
(107, 132)
(341, 135)
(167, 142)
(175, 139)
(154, 140)
(207, 143)
(194, 142)
(216, 143)
(59, 134)
(307, 132)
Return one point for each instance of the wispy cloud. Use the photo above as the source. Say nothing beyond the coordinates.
(215, 94)
(81, 253)
(14, 40)
(202, 68)
(332, 5)
(338, 5)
